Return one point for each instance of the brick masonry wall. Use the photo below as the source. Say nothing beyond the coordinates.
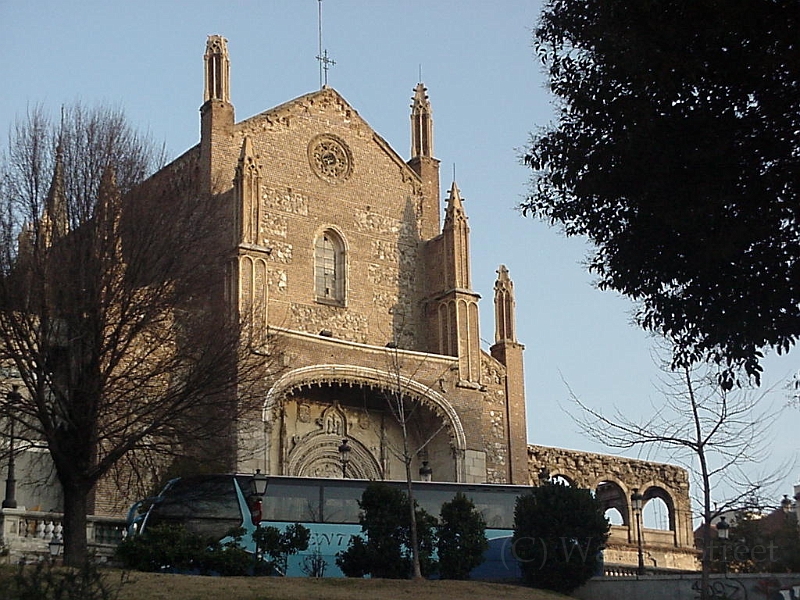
(376, 210)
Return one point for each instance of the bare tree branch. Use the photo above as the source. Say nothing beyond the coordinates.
(714, 432)
(112, 308)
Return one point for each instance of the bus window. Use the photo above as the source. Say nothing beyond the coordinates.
(292, 502)
(340, 504)
(496, 506)
(205, 505)
(431, 499)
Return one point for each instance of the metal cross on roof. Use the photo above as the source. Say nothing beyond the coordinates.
(325, 63)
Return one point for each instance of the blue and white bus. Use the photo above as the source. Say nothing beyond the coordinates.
(212, 505)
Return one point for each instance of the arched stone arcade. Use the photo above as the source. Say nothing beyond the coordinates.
(613, 480)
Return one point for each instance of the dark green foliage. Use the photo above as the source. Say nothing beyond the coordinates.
(759, 544)
(355, 561)
(427, 540)
(279, 545)
(462, 538)
(559, 532)
(228, 559)
(385, 523)
(676, 151)
(43, 582)
(162, 546)
(172, 548)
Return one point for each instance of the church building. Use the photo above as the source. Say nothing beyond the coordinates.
(342, 252)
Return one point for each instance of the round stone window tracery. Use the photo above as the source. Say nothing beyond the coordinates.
(330, 158)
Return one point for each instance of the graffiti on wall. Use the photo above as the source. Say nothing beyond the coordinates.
(770, 588)
(721, 589)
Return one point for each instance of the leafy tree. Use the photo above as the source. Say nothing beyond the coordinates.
(385, 524)
(426, 526)
(559, 532)
(355, 560)
(111, 309)
(676, 152)
(462, 538)
(279, 545)
(760, 543)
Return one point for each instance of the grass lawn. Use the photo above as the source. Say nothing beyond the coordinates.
(152, 586)
(147, 586)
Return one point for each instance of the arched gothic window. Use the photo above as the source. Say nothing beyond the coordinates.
(329, 268)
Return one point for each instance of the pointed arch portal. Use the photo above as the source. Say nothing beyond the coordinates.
(316, 410)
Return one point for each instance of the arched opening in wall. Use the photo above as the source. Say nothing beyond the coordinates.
(559, 479)
(658, 512)
(614, 516)
(316, 418)
(612, 499)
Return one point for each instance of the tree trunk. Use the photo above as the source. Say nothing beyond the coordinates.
(705, 572)
(417, 571)
(75, 543)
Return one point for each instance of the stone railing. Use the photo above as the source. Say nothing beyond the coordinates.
(619, 571)
(26, 535)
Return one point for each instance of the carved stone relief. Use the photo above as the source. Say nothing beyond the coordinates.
(345, 324)
(317, 419)
(286, 200)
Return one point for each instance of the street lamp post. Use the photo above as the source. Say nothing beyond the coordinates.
(258, 484)
(637, 501)
(723, 531)
(54, 546)
(344, 456)
(258, 487)
(10, 500)
(425, 472)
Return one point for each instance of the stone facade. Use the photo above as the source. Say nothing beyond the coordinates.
(340, 259)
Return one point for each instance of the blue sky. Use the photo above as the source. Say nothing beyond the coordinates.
(487, 91)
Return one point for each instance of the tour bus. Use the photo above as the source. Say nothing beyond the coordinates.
(212, 505)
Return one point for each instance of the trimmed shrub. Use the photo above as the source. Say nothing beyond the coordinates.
(384, 548)
(559, 532)
(172, 548)
(462, 538)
